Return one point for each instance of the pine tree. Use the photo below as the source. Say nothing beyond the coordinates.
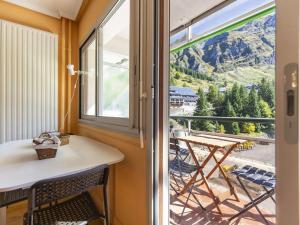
(202, 109)
(232, 128)
(266, 92)
(229, 110)
(212, 95)
(236, 99)
(243, 96)
(219, 104)
(253, 108)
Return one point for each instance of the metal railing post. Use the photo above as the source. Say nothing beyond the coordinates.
(189, 126)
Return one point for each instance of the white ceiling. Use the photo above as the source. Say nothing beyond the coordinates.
(183, 11)
(56, 8)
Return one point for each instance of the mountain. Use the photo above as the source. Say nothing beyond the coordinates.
(242, 52)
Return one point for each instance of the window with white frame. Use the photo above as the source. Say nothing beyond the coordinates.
(89, 78)
(108, 60)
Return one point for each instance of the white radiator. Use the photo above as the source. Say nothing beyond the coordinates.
(28, 82)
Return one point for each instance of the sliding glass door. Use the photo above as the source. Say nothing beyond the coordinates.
(231, 82)
(222, 112)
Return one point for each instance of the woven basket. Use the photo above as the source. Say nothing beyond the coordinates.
(44, 152)
(64, 139)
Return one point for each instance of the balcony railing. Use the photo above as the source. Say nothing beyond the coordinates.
(228, 119)
(264, 149)
(265, 121)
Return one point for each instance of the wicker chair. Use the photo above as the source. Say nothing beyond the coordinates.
(11, 197)
(65, 200)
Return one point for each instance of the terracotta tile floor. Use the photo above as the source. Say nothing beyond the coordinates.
(194, 215)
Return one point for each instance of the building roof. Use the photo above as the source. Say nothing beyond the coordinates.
(182, 91)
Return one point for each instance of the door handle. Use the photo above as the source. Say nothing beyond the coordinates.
(291, 76)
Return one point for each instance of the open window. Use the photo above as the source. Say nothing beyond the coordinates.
(108, 59)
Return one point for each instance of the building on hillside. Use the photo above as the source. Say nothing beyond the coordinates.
(250, 86)
(222, 89)
(182, 100)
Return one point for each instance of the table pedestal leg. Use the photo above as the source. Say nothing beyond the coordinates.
(3, 216)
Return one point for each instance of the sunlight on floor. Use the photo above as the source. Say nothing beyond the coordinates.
(193, 214)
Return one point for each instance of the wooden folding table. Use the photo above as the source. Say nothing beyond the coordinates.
(225, 145)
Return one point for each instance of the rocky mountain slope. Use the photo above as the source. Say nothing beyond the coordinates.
(242, 52)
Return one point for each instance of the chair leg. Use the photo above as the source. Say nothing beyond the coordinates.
(199, 203)
(192, 187)
(251, 199)
(105, 205)
(261, 197)
(186, 202)
(175, 180)
(190, 190)
(252, 203)
(273, 199)
(3, 215)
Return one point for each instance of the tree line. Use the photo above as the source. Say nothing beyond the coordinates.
(258, 102)
(193, 73)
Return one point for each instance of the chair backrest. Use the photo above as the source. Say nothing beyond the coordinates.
(47, 191)
(174, 144)
(180, 133)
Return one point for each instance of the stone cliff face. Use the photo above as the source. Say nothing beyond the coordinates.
(252, 44)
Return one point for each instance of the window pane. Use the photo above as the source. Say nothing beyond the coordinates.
(179, 38)
(225, 15)
(114, 57)
(89, 79)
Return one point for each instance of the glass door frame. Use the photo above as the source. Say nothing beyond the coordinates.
(287, 155)
(287, 165)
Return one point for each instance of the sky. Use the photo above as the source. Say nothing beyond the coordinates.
(234, 10)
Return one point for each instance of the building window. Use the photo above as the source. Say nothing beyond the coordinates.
(108, 57)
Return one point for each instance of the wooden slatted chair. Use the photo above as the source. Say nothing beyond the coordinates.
(260, 177)
(181, 169)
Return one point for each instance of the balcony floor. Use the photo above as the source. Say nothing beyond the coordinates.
(193, 214)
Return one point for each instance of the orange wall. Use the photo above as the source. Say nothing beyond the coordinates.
(27, 17)
(128, 180)
(90, 16)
